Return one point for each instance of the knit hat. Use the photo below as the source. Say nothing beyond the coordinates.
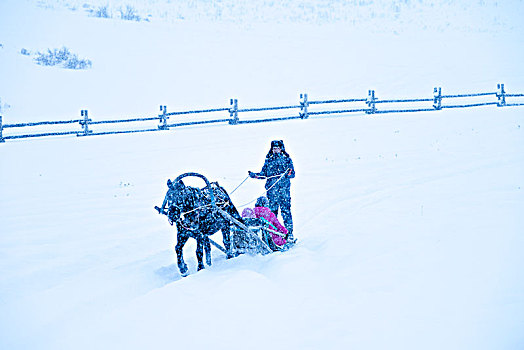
(262, 202)
(248, 213)
(279, 144)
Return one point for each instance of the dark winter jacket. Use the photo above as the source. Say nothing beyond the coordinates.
(275, 166)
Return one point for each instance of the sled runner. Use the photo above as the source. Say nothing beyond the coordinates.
(201, 212)
(244, 243)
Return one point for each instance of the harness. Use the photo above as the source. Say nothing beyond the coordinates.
(197, 197)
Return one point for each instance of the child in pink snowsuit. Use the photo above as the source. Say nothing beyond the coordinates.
(263, 212)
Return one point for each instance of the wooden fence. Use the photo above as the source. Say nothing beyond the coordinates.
(303, 110)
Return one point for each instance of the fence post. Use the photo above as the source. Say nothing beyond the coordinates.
(84, 123)
(1, 128)
(163, 118)
(371, 102)
(304, 104)
(233, 111)
(501, 95)
(437, 98)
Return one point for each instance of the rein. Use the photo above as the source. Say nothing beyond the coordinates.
(179, 220)
(281, 176)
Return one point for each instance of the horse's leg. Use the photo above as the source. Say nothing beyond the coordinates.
(181, 238)
(207, 250)
(226, 238)
(200, 251)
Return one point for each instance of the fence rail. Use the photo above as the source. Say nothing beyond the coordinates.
(406, 100)
(21, 125)
(303, 112)
(122, 120)
(266, 108)
(470, 95)
(338, 101)
(198, 111)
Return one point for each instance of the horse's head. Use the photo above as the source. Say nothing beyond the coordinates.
(187, 206)
(173, 214)
(189, 218)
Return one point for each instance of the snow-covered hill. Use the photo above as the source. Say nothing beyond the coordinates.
(409, 226)
(377, 15)
(137, 66)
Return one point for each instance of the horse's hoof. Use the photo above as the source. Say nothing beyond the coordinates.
(183, 270)
(201, 267)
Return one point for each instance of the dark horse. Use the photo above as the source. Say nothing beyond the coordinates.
(196, 213)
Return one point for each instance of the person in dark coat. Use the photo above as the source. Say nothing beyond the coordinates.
(278, 169)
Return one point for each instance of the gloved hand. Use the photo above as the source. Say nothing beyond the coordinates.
(252, 174)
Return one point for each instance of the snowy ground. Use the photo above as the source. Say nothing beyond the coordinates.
(410, 226)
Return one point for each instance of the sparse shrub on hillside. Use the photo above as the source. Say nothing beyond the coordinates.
(62, 57)
(75, 63)
(129, 13)
(25, 52)
(102, 12)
